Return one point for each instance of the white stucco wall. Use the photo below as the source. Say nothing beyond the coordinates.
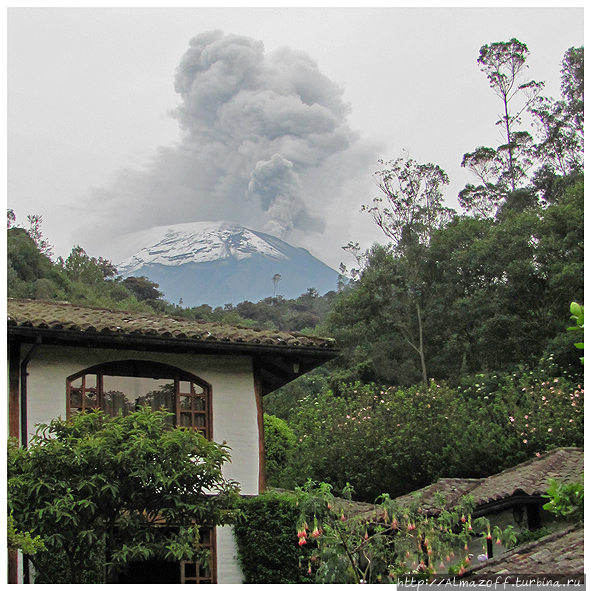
(234, 411)
(229, 572)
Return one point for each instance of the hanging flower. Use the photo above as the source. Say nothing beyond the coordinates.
(302, 541)
(499, 541)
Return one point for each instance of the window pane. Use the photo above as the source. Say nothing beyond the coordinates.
(199, 403)
(90, 400)
(115, 403)
(186, 402)
(77, 383)
(126, 393)
(199, 420)
(75, 398)
(185, 387)
(205, 537)
(185, 419)
(90, 380)
(190, 569)
(204, 572)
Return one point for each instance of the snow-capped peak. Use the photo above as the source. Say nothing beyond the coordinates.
(198, 242)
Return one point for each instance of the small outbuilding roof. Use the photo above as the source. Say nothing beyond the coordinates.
(557, 558)
(282, 355)
(528, 478)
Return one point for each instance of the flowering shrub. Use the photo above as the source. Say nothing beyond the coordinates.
(399, 440)
(390, 541)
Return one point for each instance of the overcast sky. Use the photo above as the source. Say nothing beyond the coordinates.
(124, 119)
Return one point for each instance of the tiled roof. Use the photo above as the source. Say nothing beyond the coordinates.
(452, 489)
(559, 554)
(66, 318)
(531, 477)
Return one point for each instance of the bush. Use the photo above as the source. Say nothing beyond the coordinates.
(268, 549)
(279, 445)
(399, 440)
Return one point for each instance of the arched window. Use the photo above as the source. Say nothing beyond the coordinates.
(124, 386)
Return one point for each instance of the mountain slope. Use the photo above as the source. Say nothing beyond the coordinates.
(218, 263)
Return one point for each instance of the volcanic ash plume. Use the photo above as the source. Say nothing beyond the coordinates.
(261, 139)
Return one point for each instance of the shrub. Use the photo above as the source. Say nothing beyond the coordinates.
(268, 549)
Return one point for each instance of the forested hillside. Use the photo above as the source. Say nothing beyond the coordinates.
(456, 358)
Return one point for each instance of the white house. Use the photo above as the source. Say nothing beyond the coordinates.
(64, 358)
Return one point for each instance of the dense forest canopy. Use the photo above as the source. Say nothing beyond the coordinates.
(452, 333)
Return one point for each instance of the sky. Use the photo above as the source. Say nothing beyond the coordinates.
(122, 119)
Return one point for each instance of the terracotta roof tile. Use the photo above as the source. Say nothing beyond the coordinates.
(559, 554)
(452, 489)
(530, 477)
(63, 316)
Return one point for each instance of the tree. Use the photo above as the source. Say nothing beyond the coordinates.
(36, 234)
(102, 492)
(413, 210)
(275, 279)
(10, 218)
(83, 269)
(413, 201)
(143, 288)
(504, 169)
(560, 123)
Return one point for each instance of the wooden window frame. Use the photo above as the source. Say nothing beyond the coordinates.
(199, 390)
(213, 567)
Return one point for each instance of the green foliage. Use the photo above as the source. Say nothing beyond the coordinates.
(97, 490)
(268, 550)
(279, 446)
(24, 541)
(525, 536)
(578, 315)
(491, 295)
(566, 499)
(382, 544)
(143, 288)
(398, 440)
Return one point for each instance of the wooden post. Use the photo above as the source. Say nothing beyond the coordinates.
(14, 390)
(489, 548)
(258, 392)
(13, 429)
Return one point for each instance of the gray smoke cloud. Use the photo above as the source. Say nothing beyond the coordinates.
(262, 137)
